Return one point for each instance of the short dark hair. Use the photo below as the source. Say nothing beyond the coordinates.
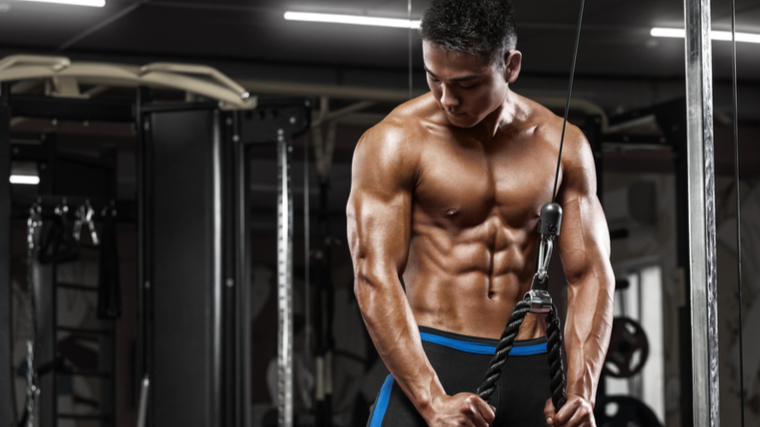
(478, 27)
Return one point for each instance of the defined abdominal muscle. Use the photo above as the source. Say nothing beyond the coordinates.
(457, 277)
(468, 304)
(488, 254)
(468, 272)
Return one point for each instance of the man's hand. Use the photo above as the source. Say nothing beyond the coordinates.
(463, 409)
(576, 412)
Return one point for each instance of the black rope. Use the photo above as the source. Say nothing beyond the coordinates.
(738, 203)
(507, 341)
(556, 370)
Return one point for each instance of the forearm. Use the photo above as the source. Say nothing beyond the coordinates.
(587, 330)
(395, 333)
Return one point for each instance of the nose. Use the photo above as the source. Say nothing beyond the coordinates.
(448, 98)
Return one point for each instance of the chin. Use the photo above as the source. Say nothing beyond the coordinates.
(465, 122)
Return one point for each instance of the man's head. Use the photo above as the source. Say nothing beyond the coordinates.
(469, 48)
(484, 28)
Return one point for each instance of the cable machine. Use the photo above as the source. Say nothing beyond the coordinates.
(191, 213)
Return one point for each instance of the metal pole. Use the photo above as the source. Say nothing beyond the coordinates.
(7, 400)
(218, 270)
(701, 190)
(142, 409)
(284, 282)
(242, 236)
(307, 248)
(142, 127)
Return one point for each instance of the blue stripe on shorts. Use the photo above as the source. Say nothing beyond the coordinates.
(481, 348)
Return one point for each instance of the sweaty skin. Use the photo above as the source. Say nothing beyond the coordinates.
(446, 193)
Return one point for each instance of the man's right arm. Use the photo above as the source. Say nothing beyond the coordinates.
(379, 229)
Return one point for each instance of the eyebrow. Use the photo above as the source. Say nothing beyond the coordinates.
(455, 79)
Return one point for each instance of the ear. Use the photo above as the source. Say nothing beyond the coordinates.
(512, 64)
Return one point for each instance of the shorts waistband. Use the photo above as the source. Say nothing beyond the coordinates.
(478, 345)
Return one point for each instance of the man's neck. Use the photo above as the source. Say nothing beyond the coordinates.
(503, 116)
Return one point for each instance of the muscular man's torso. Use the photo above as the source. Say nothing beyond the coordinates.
(475, 208)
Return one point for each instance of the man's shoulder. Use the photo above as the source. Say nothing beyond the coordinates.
(392, 148)
(546, 129)
(404, 128)
(411, 115)
(540, 116)
(549, 125)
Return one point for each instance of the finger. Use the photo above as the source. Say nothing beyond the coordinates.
(582, 416)
(549, 412)
(565, 413)
(475, 411)
(577, 420)
(473, 417)
(487, 411)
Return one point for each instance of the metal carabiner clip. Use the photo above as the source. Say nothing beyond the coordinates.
(539, 298)
(549, 226)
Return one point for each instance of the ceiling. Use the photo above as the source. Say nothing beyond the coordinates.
(620, 67)
(615, 40)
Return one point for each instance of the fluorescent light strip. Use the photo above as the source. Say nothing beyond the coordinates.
(25, 179)
(351, 19)
(91, 3)
(714, 35)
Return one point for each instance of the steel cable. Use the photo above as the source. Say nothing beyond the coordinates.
(569, 94)
(738, 203)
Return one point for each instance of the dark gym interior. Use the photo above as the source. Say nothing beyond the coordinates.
(178, 178)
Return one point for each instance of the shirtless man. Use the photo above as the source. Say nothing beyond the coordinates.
(442, 223)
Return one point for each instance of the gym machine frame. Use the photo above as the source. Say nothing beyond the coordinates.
(278, 123)
(234, 133)
(46, 356)
(228, 331)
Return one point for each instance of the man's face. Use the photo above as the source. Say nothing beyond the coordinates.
(467, 87)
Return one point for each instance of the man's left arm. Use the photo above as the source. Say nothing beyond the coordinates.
(584, 248)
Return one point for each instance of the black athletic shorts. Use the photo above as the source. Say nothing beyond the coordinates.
(461, 363)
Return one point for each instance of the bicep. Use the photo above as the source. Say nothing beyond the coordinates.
(378, 230)
(379, 208)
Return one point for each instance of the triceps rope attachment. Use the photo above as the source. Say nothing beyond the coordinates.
(537, 301)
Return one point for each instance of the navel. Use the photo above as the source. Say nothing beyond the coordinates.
(451, 212)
